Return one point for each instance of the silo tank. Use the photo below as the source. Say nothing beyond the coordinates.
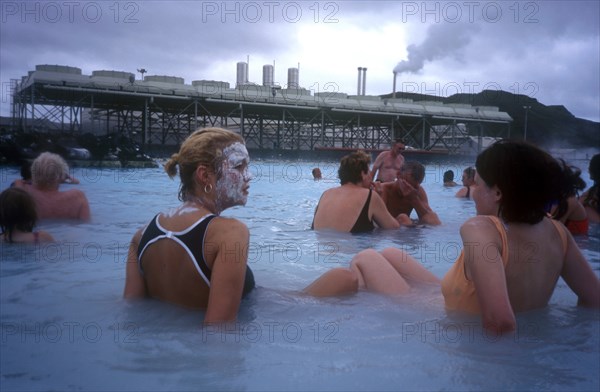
(268, 75)
(242, 73)
(293, 78)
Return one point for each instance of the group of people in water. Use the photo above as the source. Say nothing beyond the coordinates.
(37, 196)
(193, 256)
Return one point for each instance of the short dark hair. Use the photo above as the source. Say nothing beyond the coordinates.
(17, 212)
(448, 175)
(572, 184)
(352, 166)
(528, 177)
(595, 168)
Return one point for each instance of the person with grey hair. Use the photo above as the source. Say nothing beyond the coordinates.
(48, 171)
(406, 194)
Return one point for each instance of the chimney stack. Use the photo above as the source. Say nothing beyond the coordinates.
(394, 89)
(359, 80)
(364, 81)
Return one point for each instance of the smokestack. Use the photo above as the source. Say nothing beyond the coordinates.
(359, 82)
(394, 89)
(364, 81)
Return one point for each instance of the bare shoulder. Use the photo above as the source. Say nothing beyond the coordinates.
(222, 227)
(45, 236)
(381, 156)
(478, 227)
(138, 235)
(75, 193)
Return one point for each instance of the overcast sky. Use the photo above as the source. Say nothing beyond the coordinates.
(548, 50)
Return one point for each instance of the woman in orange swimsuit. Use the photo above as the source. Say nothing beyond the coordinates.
(513, 254)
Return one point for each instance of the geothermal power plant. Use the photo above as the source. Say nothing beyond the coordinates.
(163, 110)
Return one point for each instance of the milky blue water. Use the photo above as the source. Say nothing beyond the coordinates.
(64, 325)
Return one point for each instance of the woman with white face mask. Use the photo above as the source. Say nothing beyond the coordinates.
(192, 256)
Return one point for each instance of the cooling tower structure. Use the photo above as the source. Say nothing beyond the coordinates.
(362, 81)
(241, 74)
(293, 78)
(268, 71)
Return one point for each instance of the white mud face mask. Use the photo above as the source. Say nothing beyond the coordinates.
(232, 186)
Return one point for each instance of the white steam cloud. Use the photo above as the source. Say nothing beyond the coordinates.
(442, 40)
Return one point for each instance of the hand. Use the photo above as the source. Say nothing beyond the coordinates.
(404, 220)
(376, 186)
(406, 189)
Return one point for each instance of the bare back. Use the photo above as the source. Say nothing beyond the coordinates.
(340, 207)
(169, 271)
(170, 274)
(55, 204)
(536, 254)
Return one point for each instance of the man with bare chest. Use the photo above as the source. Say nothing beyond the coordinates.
(388, 163)
(406, 194)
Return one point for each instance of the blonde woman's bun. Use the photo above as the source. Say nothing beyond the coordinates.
(171, 165)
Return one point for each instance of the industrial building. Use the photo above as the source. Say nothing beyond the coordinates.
(163, 110)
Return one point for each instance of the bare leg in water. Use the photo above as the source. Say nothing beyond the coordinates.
(390, 272)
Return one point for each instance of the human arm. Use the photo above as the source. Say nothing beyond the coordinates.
(484, 267)
(462, 192)
(580, 277)
(134, 282)
(70, 180)
(229, 239)
(376, 165)
(381, 215)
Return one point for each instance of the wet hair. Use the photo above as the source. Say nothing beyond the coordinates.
(17, 212)
(48, 170)
(572, 184)
(448, 176)
(528, 177)
(202, 147)
(592, 198)
(316, 172)
(352, 166)
(595, 169)
(416, 170)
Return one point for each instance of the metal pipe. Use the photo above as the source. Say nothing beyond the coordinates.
(364, 80)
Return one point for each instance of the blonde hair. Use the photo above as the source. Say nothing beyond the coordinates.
(48, 170)
(202, 147)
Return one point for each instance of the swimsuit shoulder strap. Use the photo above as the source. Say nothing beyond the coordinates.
(502, 231)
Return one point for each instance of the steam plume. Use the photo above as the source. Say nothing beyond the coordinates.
(441, 41)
